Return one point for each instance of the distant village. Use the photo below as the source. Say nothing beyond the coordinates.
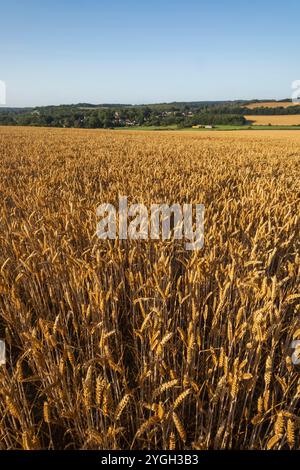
(119, 120)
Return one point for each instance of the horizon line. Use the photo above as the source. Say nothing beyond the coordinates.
(149, 103)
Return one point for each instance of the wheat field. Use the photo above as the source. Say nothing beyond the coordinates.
(142, 344)
(275, 120)
(271, 104)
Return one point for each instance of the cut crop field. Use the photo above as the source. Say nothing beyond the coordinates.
(115, 344)
(276, 120)
(271, 104)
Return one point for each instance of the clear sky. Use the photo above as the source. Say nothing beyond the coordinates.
(131, 51)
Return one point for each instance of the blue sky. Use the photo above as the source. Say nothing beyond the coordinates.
(70, 51)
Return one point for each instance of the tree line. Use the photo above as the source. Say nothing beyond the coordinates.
(90, 116)
(108, 117)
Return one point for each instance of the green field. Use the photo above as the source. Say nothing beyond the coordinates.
(172, 127)
(216, 128)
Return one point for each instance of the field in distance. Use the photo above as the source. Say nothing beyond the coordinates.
(275, 120)
(251, 126)
(140, 344)
(271, 104)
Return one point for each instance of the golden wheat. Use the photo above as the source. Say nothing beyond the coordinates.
(142, 344)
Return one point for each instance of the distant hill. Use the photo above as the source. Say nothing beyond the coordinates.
(14, 110)
(181, 114)
(173, 104)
